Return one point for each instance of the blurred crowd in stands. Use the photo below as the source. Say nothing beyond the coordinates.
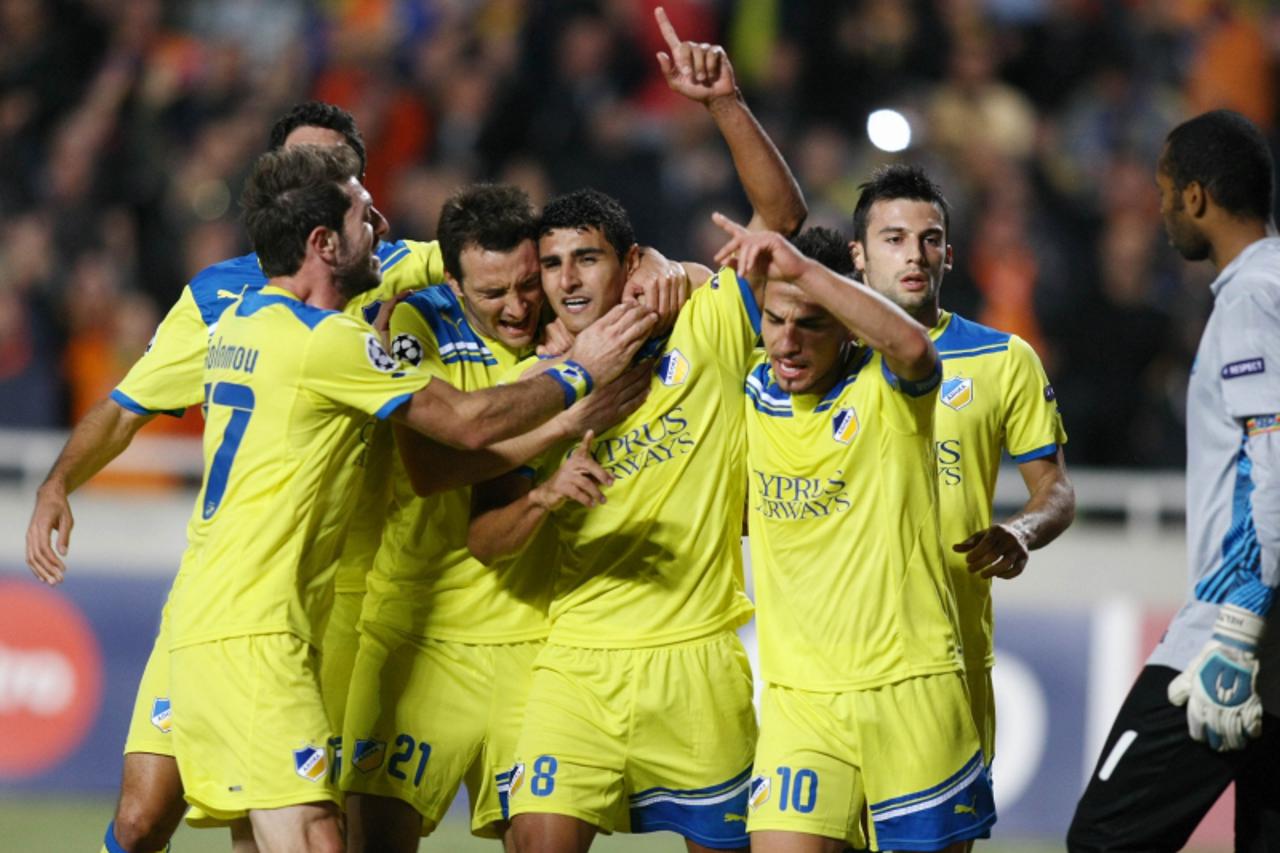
(127, 126)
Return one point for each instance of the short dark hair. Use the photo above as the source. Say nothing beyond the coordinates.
(1226, 154)
(497, 217)
(320, 114)
(826, 246)
(590, 209)
(291, 192)
(898, 180)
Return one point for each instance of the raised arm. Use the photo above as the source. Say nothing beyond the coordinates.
(703, 73)
(878, 323)
(102, 435)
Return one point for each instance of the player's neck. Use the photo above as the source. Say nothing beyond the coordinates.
(314, 290)
(927, 315)
(1232, 239)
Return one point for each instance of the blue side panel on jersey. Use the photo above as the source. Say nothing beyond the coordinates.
(713, 817)
(309, 315)
(1241, 553)
(214, 288)
(370, 311)
(959, 808)
(126, 402)
(749, 302)
(455, 339)
(963, 338)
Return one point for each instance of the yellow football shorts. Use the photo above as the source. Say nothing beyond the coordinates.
(150, 726)
(249, 726)
(903, 759)
(982, 699)
(641, 740)
(426, 716)
(338, 653)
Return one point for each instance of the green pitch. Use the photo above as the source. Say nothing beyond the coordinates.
(76, 826)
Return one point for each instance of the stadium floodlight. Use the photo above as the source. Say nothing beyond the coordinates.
(889, 130)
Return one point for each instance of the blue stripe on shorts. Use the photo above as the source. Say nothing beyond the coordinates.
(713, 817)
(958, 808)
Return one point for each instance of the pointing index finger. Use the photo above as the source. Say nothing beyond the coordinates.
(668, 31)
(727, 224)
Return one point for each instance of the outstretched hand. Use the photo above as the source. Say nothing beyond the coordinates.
(699, 71)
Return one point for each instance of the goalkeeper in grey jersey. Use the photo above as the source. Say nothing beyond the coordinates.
(1204, 711)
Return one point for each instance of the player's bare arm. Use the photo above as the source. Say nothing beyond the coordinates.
(1002, 550)
(435, 468)
(702, 72)
(102, 435)
(877, 322)
(506, 513)
(472, 421)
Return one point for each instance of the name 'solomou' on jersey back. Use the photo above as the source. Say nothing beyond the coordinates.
(288, 388)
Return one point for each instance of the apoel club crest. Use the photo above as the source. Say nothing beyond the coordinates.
(844, 425)
(956, 392)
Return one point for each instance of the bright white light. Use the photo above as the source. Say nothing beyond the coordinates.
(889, 130)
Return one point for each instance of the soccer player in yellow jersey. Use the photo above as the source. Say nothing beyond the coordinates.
(865, 733)
(168, 379)
(446, 643)
(639, 715)
(290, 382)
(994, 396)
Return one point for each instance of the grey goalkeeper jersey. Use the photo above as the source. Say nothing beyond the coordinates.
(1233, 464)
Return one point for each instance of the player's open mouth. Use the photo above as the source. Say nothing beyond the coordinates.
(787, 369)
(575, 304)
(523, 327)
(914, 281)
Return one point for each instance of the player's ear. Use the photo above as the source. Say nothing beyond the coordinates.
(950, 260)
(859, 261)
(454, 284)
(631, 260)
(324, 241)
(1195, 199)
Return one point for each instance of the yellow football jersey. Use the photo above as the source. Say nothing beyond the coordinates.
(850, 579)
(289, 388)
(661, 561)
(994, 395)
(424, 580)
(168, 377)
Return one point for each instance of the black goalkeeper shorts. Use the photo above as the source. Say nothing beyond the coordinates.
(1153, 783)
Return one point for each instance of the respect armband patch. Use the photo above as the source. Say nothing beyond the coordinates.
(1262, 424)
(1245, 367)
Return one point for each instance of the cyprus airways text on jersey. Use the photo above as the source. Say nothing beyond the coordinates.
(786, 498)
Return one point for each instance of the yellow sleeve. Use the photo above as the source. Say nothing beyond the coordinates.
(406, 265)
(908, 406)
(725, 319)
(170, 375)
(346, 363)
(1032, 422)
